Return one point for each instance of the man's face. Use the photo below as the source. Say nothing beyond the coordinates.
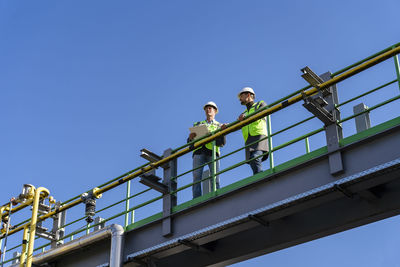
(210, 111)
(245, 98)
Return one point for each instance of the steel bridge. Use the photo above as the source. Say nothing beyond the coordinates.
(348, 182)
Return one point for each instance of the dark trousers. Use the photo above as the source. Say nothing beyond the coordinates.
(255, 164)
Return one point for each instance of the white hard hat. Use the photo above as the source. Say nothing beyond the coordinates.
(212, 104)
(247, 90)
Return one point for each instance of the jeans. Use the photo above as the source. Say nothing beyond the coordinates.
(200, 159)
(255, 164)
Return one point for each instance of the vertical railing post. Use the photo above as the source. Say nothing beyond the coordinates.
(214, 167)
(397, 66)
(169, 199)
(128, 194)
(132, 216)
(270, 146)
(307, 145)
(132, 212)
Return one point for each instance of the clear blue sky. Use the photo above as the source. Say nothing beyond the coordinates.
(86, 84)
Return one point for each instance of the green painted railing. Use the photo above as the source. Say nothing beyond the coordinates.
(127, 213)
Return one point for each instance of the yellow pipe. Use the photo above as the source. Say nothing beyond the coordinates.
(23, 251)
(20, 207)
(230, 129)
(3, 230)
(43, 217)
(35, 208)
(3, 209)
(26, 203)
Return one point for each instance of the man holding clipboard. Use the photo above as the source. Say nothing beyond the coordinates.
(203, 155)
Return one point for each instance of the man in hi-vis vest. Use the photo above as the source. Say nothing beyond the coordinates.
(203, 154)
(254, 133)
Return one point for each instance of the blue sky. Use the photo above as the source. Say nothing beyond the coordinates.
(86, 84)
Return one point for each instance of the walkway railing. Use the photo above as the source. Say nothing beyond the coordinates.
(132, 204)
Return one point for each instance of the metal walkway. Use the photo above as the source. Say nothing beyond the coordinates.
(271, 212)
(346, 183)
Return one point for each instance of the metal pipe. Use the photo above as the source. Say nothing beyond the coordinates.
(24, 242)
(365, 59)
(32, 232)
(117, 246)
(232, 128)
(117, 238)
(18, 208)
(258, 116)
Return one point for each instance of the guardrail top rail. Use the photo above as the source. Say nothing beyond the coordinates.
(232, 127)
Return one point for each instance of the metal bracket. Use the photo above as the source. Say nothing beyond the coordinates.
(16, 256)
(43, 208)
(194, 246)
(323, 106)
(58, 230)
(40, 229)
(259, 220)
(150, 156)
(314, 80)
(152, 181)
(99, 222)
(316, 107)
(42, 233)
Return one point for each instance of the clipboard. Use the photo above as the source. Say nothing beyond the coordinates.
(200, 130)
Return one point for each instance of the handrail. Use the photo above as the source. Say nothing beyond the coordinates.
(371, 108)
(366, 93)
(257, 116)
(234, 126)
(365, 59)
(231, 128)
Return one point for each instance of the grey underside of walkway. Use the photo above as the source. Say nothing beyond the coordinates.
(297, 205)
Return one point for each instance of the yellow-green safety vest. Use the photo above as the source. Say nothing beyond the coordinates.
(259, 127)
(213, 126)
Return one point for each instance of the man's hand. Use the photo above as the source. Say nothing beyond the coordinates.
(241, 117)
(192, 136)
(224, 126)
